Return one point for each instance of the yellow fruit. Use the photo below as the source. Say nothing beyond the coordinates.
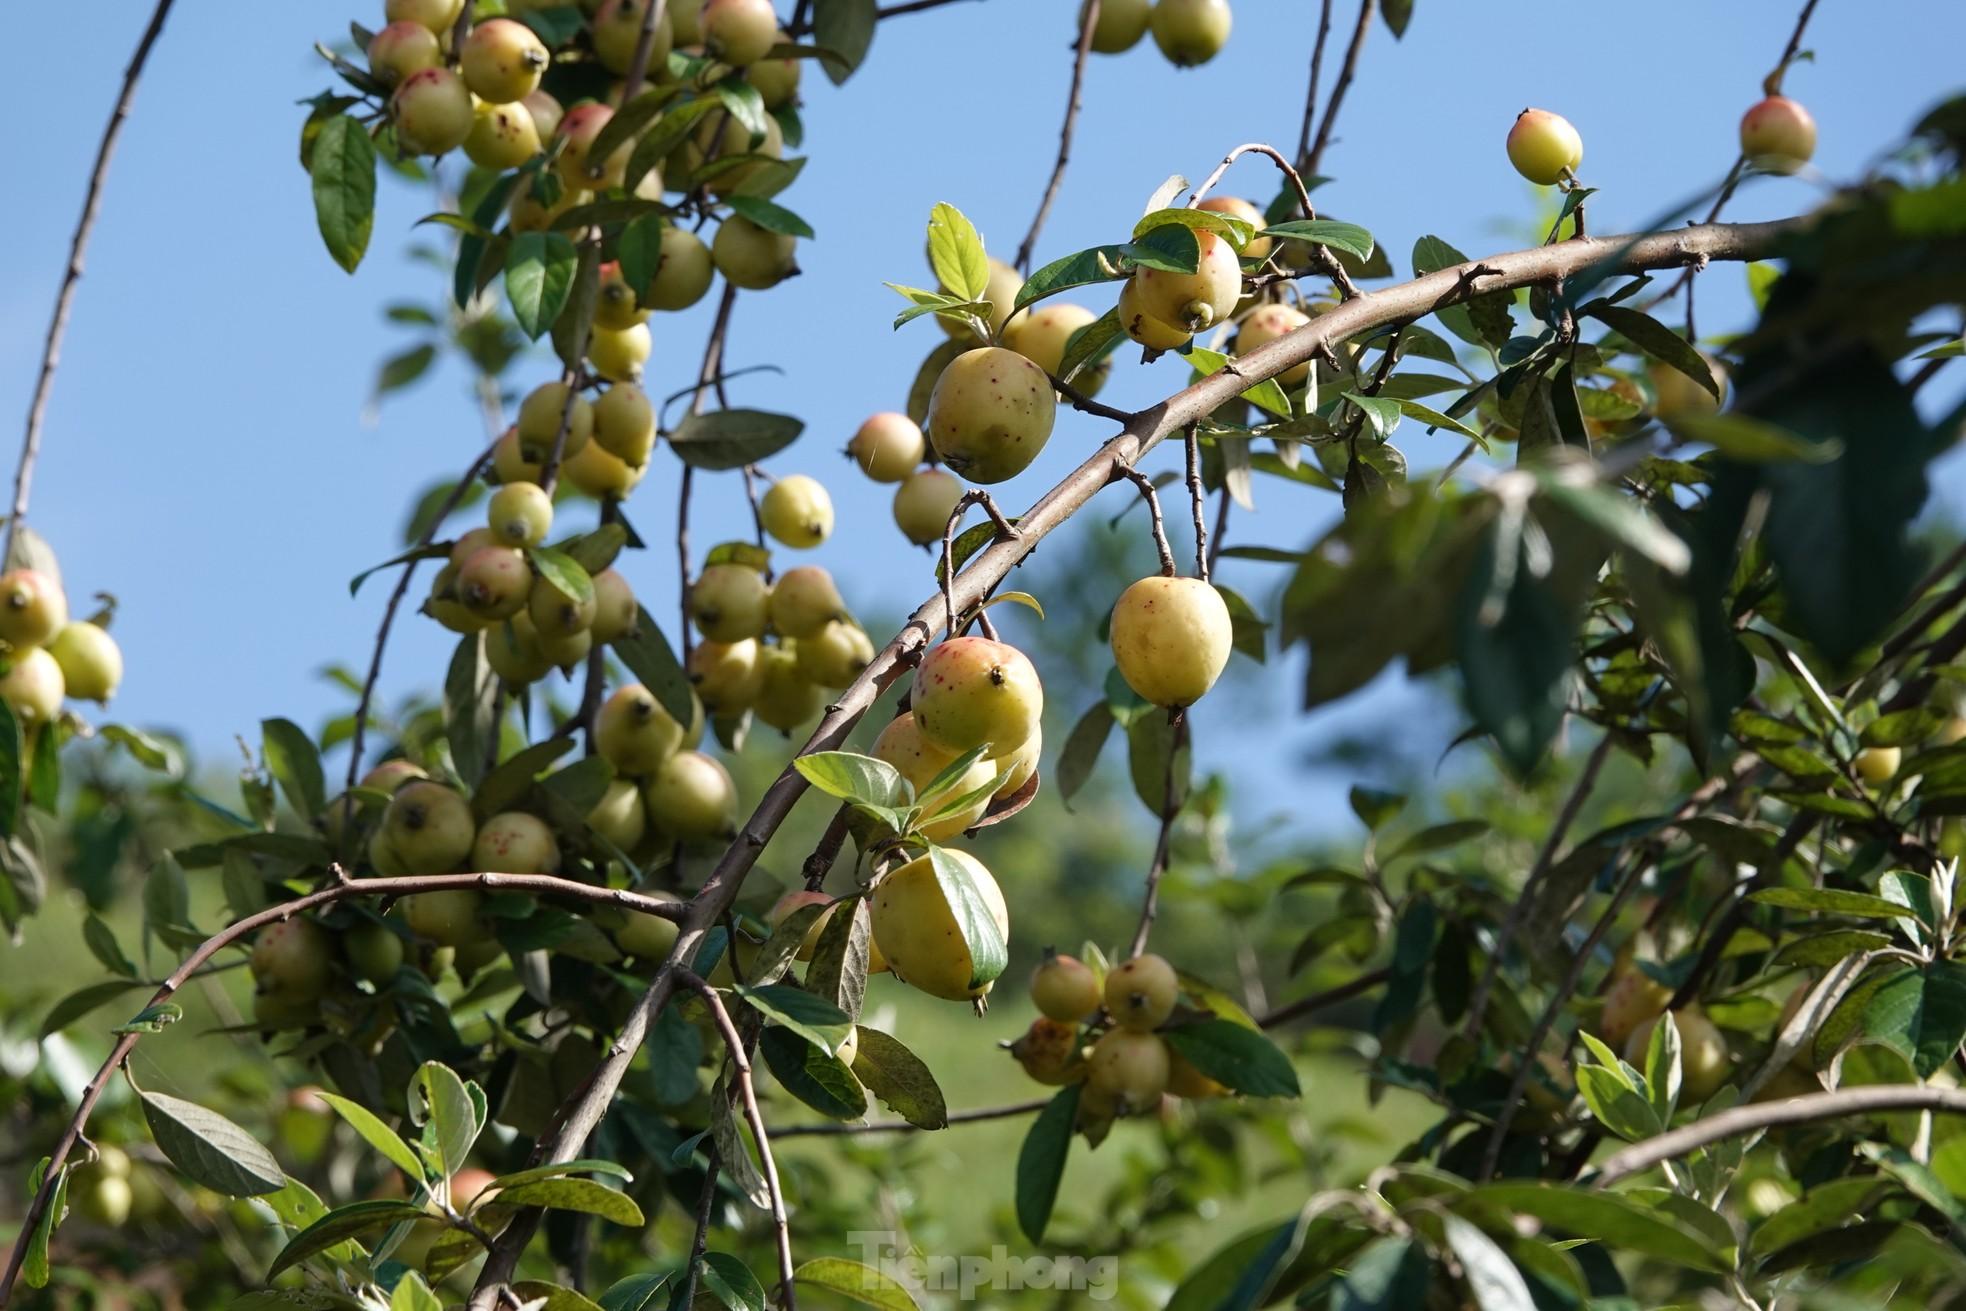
(918, 760)
(620, 815)
(540, 416)
(578, 128)
(1144, 327)
(1019, 766)
(402, 50)
(429, 827)
(32, 608)
(797, 511)
(1128, 1070)
(520, 514)
(1778, 134)
(990, 414)
(738, 32)
(546, 114)
(616, 612)
(1184, 1080)
(391, 775)
(1041, 334)
(803, 601)
(1631, 1000)
(691, 798)
(1878, 765)
(726, 675)
(502, 136)
(1171, 638)
(634, 733)
(1140, 993)
(432, 112)
(682, 273)
(618, 356)
(502, 61)
(624, 423)
(785, 700)
(1264, 325)
(785, 906)
(1064, 987)
(728, 602)
(923, 503)
(90, 661)
(618, 30)
(440, 16)
(1543, 146)
(1237, 207)
(614, 303)
(558, 618)
(511, 463)
(1190, 32)
(835, 655)
(1192, 301)
(601, 475)
(294, 957)
(32, 686)
(917, 930)
(752, 257)
(494, 583)
(448, 917)
(972, 691)
(777, 80)
(1121, 24)
(515, 843)
(515, 653)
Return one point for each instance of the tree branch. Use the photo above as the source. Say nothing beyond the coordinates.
(1177, 719)
(1317, 1001)
(37, 409)
(1346, 72)
(834, 1129)
(1145, 485)
(1310, 95)
(1087, 22)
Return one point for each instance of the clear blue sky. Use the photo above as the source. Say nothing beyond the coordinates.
(207, 457)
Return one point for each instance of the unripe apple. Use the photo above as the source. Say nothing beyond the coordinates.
(917, 932)
(1544, 147)
(1064, 987)
(726, 138)
(683, 271)
(797, 511)
(1049, 1052)
(520, 514)
(1264, 325)
(887, 447)
(440, 16)
(738, 32)
(512, 464)
(1128, 1069)
(295, 957)
(1121, 24)
(919, 760)
(578, 128)
(686, 22)
(90, 661)
(557, 617)
(835, 655)
(1703, 1059)
(923, 503)
(616, 611)
(1171, 638)
(619, 356)
(1001, 291)
(620, 816)
(1676, 395)
(990, 414)
(1018, 768)
(798, 898)
(545, 112)
(32, 686)
(601, 475)
(375, 952)
(614, 305)
(429, 827)
(1878, 765)
(1632, 999)
(502, 136)
(32, 608)
(691, 798)
(1237, 207)
(752, 257)
(648, 938)
(776, 80)
(1778, 135)
(515, 653)
(634, 733)
(1950, 732)
(432, 111)
(515, 843)
(494, 582)
(803, 601)
(402, 50)
(102, 1197)
(618, 30)
(502, 61)
(1140, 993)
(785, 698)
(1041, 334)
(1190, 32)
(1144, 327)
(447, 917)
(972, 691)
(539, 420)
(564, 650)
(728, 602)
(726, 675)
(443, 604)
(1197, 300)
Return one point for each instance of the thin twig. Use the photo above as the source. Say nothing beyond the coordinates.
(78, 245)
(1772, 84)
(1152, 497)
(1080, 401)
(1317, 1001)
(1221, 534)
(1346, 72)
(1177, 722)
(1005, 530)
(654, 17)
(684, 486)
(1088, 20)
(1321, 257)
(1196, 500)
(1310, 95)
(835, 1129)
(706, 1205)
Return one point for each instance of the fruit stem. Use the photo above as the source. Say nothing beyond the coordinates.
(1152, 497)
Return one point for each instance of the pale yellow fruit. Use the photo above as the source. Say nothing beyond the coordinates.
(440, 16)
(402, 50)
(1192, 301)
(616, 612)
(726, 675)
(683, 271)
(578, 128)
(737, 32)
(502, 136)
(601, 475)
(1632, 999)
(887, 447)
(919, 760)
(1064, 987)
(835, 655)
(1049, 1052)
(502, 61)
(520, 514)
(1878, 765)
(785, 700)
(1128, 1070)
(512, 464)
(514, 652)
(1264, 325)
(1041, 334)
(624, 424)
(618, 30)
(1778, 134)
(1140, 993)
(494, 582)
(32, 608)
(918, 933)
(648, 938)
(1704, 1063)
(1237, 207)
(797, 511)
(620, 816)
(990, 414)
(691, 798)
(429, 828)
(619, 356)
(1018, 768)
(1171, 638)
(923, 503)
(1544, 146)
(634, 733)
(546, 114)
(1121, 24)
(793, 901)
(541, 414)
(729, 601)
(752, 257)
(1144, 327)
(448, 917)
(557, 617)
(972, 691)
(32, 686)
(515, 843)
(91, 663)
(803, 601)
(777, 80)
(615, 307)
(432, 112)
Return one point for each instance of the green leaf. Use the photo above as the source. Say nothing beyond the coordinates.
(1515, 664)
(1752, 441)
(13, 773)
(564, 574)
(1267, 395)
(377, 1135)
(1609, 1218)
(653, 662)
(1828, 948)
(639, 247)
(1905, 728)
(553, 1296)
(769, 215)
(343, 167)
(955, 252)
(851, 1280)
(440, 1102)
(1491, 1277)
(853, 777)
(1081, 269)
(1041, 1162)
(845, 27)
(1412, 409)
(1089, 345)
(295, 764)
(1375, 808)
(901, 1079)
(1082, 748)
(1390, 1275)
(813, 1074)
(1438, 837)
(1238, 231)
(429, 552)
(1615, 1103)
(539, 271)
(636, 1292)
(732, 1282)
(814, 1019)
(35, 1268)
(582, 1195)
(1382, 414)
(1246, 626)
(1620, 520)
(1825, 1207)
(1656, 340)
(731, 439)
(1829, 901)
(470, 703)
(412, 1294)
(1348, 237)
(1921, 1015)
(587, 1165)
(1239, 1058)
(210, 1149)
(339, 1225)
(988, 953)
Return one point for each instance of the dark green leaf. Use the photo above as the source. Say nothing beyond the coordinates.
(769, 216)
(988, 953)
(342, 162)
(1390, 1275)
(731, 439)
(1041, 1162)
(901, 1079)
(339, 1225)
(295, 764)
(582, 1195)
(845, 27)
(812, 1074)
(210, 1149)
(1240, 1058)
(851, 1280)
(539, 272)
(1348, 237)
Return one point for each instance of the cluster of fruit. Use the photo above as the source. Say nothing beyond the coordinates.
(1188, 32)
(46, 655)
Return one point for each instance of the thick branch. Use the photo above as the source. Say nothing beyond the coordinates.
(1087, 22)
(37, 409)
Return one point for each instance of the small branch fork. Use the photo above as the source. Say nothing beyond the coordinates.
(1152, 498)
(1326, 262)
(1088, 21)
(37, 409)
(1006, 532)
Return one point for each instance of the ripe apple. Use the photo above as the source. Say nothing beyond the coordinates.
(1778, 134)
(1140, 993)
(1064, 987)
(917, 933)
(502, 61)
(972, 691)
(887, 447)
(32, 608)
(990, 414)
(1544, 147)
(1171, 638)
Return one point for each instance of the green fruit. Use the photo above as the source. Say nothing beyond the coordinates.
(797, 511)
(557, 617)
(624, 423)
(101, 1197)
(683, 271)
(752, 257)
(803, 601)
(726, 675)
(514, 651)
(432, 112)
(440, 16)
(728, 602)
(494, 583)
(1140, 993)
(566, 649)
(616, 612)
(1543, 146)
(294, 957)
(835, 655)
(1064, 987)
(923, 503)
(1264, 325)
(578, 128)
(614, 306)
(540, 415)
(917, 930)
(887, 447)
(375, 952)
(990, 414)
(546, 114)
(392, 774)
(601, 475)
(1144, 327)
(32, 686)
(32, 608)
(1778, 134)
(648, 938)
(448, 917)
(429, 827)
(1632, 999)
(618, 30)
(634, 733)
(1190, 32)
(1000, 290)
(502, 61)
(691, 798)
(502, 136)
(1121, 24)
(919, 761)
(512, 462)
(1128, 1070)
(619, 356)
(1171, 638)
(738, 32)
(786, 699)
(402, 50)
(972, 691)
(90, 661)
(620, 816)
(520, 514)
(515, 843)
(776, 80)
(1192, 301)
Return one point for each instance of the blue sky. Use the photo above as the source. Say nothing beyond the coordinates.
(207, 456)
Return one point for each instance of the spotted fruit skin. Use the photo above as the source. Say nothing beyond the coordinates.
(919, 760)
(917, 931)
(972, 692)
(1193, 301)
(990, 414)
(1171, 638)
(1264, 325)
(433, 112)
